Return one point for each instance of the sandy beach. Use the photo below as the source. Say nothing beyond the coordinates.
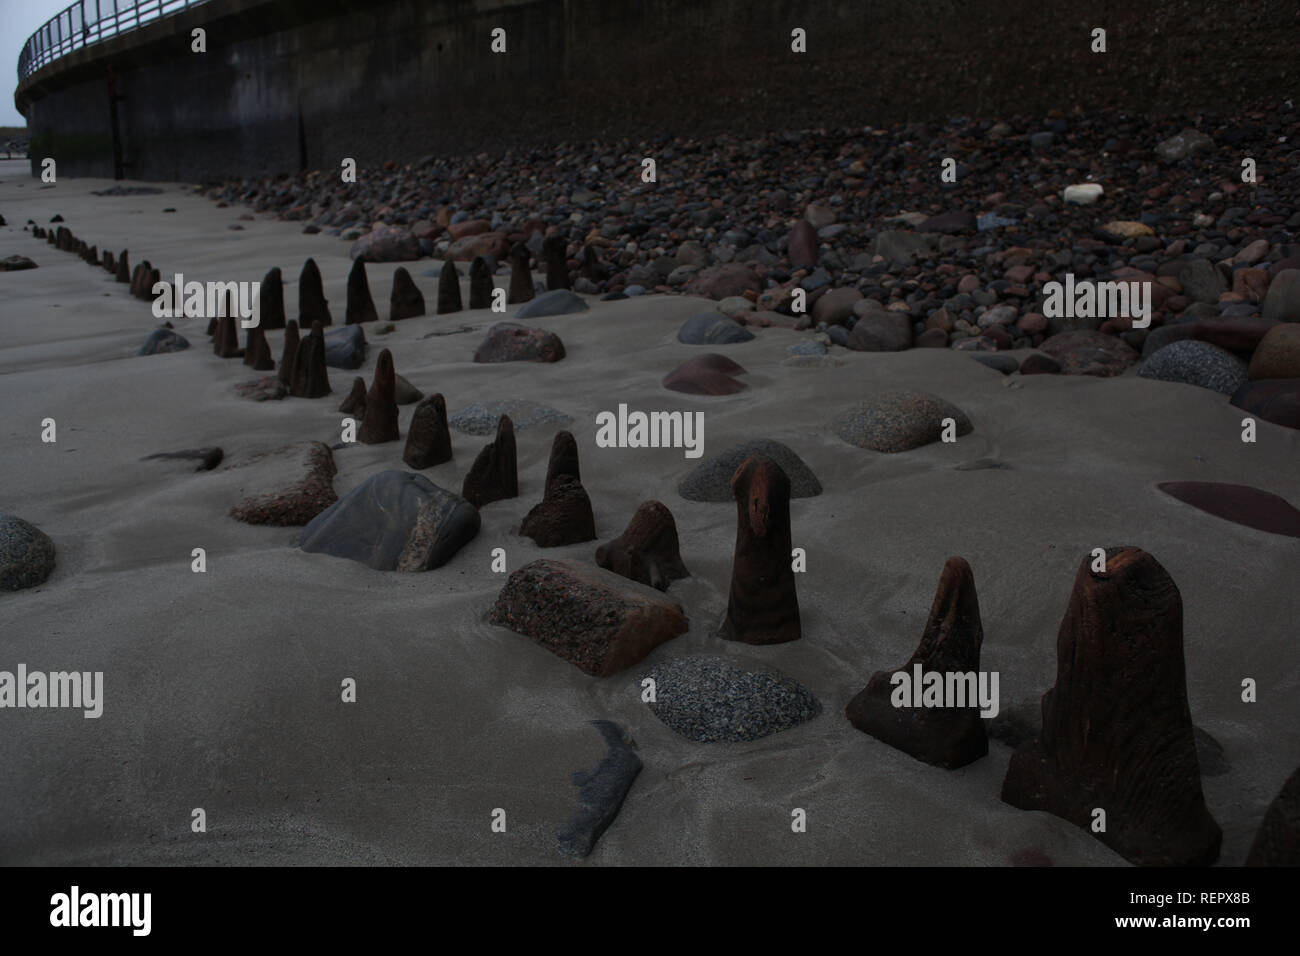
(222, 689)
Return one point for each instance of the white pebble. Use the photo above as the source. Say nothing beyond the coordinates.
(1083, 194)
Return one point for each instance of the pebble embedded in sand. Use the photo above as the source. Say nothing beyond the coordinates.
(26, 554)
(946, 736)
(1117, 728)
(163, 340)
(345, 347)
(1239, 504)
(899, 420)
(480, 418)
(708, 374)
(762, 605)
(712, 699)
(710, 328)
(265, 389)
(711, 479)
(555, 302)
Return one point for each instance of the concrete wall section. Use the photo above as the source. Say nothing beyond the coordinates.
(294, 84)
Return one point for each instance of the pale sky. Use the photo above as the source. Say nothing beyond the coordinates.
(19, 19)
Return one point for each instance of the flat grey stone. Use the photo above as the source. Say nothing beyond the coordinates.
(345, 346)
(480, 418)
(710, 328)
(555, 302)
(162, 340)
(394, 521)
(601, 791)
(711, 479)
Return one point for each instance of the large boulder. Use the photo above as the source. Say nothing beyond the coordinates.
(387, 244)
(723, 281)
(467, 248)
(881, 331)
(1282, 302)
(394, 521)
(1278, 353)
(512, 342)
(595, 619)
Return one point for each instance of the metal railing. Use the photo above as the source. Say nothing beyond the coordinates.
(87, 22)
